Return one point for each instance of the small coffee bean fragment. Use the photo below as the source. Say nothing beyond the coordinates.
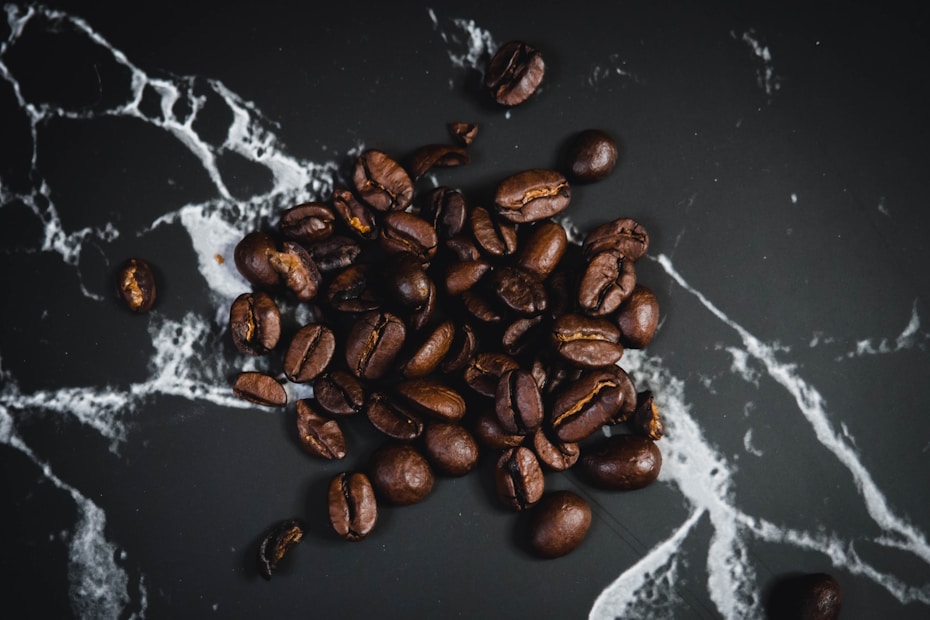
(638, 318)
(559, 523)
(319, 435)
(592, 156)
(400, 474)
(519, 479)
(260, 389)
(353, 509)
(136, 284)
(309, 353)
(255, 323)
(450, 448)
(463, 133)
(280, 539)
(646, 420)
(514, 73)
(622, 462)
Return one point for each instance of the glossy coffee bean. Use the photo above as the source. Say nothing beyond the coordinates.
(334, 253)
(464, 246)
(518, 402)
(514, 73)
(431, 398)
(260, 389)
(543, 249)
(296, 270)
(532, 195)
(624, 236)
(320, 436)
(490, 434)
(519, 479)
(405, 232)
(638, 318)
(136, 285)
(438, 156)
(358, 218)
(463, 133)
(431, 351)
(622, 462)
(255, 323)
(582, 406)
(382, 182)
(393, 418)
(352, 290)
(482, 306)
(422, 316)
(591, 155)
(586, 342)
(400, 475)
(450, 448)
(307, 223)
(493, 236)
(309, 353)
(485, 369)
(339, 393)
(629, 396)
(519, 290)
(554, 454)
(353, 509)
(252, 256)
(559, 524)
(276, 543)
(407, 281)
(646, 419)
(606, 283)
(461, 276)
(373, 341)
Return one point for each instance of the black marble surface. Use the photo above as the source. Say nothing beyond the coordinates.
(776, 152)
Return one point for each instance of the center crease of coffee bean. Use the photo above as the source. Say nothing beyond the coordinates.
(581, 404)
(370, 344)
(542, 192)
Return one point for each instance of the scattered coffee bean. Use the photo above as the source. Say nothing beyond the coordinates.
(543, 249)
(586, 342)
(339, 393)
(432, 398)
(353, 510)
(260, 389)
(554, 454)
(622, 462)
(624, 236)
(400, 474)
(427, 357)
(584, 405)
(137, 285)
(514, 73)
(463, 133)
(280, 539)
(319, 435)
(607, 282)
(518, 403)
(592, 155)
(438, 155)
(308, 222)
(393, 418)
(646, 420)
(358, 218)
(558, 524)
(450, 448)
(374, 340)
(253, 259)
(519, 479)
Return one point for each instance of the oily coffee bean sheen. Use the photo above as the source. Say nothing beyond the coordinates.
(586, 342)
(307, 222)
(559, 523)
(393, 418)
(582, 406)
(607, 282)
(450, 448)
(624, 236)
(339, 393)
(353, 509)
(592, 156)
(400, 474)
(622, 462)
(374, 340)
(638, 318)
(519, 478)
(137, 285)
(518, 402)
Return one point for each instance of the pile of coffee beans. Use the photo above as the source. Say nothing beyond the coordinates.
(459, 330)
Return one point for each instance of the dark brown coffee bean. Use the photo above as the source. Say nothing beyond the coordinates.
(308, 222)
(462, 275)
(393, 418)
(514, 73)
(638, 318)
(622, 462)
(297, 270)
(446, 210)
(422, 316)
(382, 182)
(624, 236)
(430, 397)
(532, 195)
(586, 342)
(558, 374)
(400, 474)
(436, 155)
(591, 155)
(255, 323)
(352, 290)
(630, 398)
(607, 282)
(463, 133)
(373, 341)
(319, 435)
(260, 389)
(427, 357)
(464, 248)
(450, 448)
(490, 434)
(518, 403)
(406, 232)
(357, 217)
(339, 393)
(136, 285)
(522, 334)
(406, 280)
(559, 524)
(485, 369)
(495, 237)
(554, 454)
(461, 351)
(309, 353)
(334, 253)
(543, 249)
(276, 543)
(353, 509)
(481, 306)
(519, 290)
(253, 259)
(582, 406)
(646, 419)
(519, 479)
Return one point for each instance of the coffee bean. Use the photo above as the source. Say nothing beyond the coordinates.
(629, 397)
(464, 247)
(461, 276)
(373, 341)
(591, 155)
(357, 217)
(446, 210)
(407, 281)
(252, 256)
(485, 369)
(554, 454)
(582, 406)
(277, 542)
(646, 419)
(559, 524)
(519, 479)
(622, 462)
(518, 403)
(607, 282)
(522, 334)
(624, 236)
(308, 222)
(493, 236)
(382, 182)
(532, 195)
(334, 253)
(400, 474)
(297, 270)
(463, 133)
(543, 249)
(352, 290)
(450, 448)
(519, 290)
(479, 304)
(255, 323)
(586, 342)
(136, 285)
(436, 155)
(260, 389)
(405, 232)
(319, 435)
(431, 397)
(490, 434)
(638, 318)
(514, 73)
(353, 510)
(427, 357)
(309, 353)
(339, 393)
(393, 418)
(422, 316)
(461, 350)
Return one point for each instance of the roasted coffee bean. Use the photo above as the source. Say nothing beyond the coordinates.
(591, 156)
(586, 342)
(638, 318)
(433, 398)
(624, 236)
(519, 479)
(400, 474)
(559, 524)
(450, 448)
(407, 281)
(353, 509)
(481, 306)
(260, 389)
(357, 217)
(558, 374)
(462, 275)
(406, 232)
(554, 454)
(136, 285)
(514, 73)
(582, 406)
(464, 248)
(622, 462)
(382, 182)
(373, 341)
(607, 282)
(543, 249)
(255, 323)
(427, 357)
(309, 353)
(352, 290)
(319, 435)
(461, 351)
(277, 542)
(297, 270)
(519, 290)
(393, 418)
(522, 334)
(308, 222)
(253, 259)
(485, 369)
(646, 419)
(334, 253)
(422, 316)
(532, 195)
(446, 210)
(339, 393)
(495, 237)
(630, 398)
(490, 434)
(436, 155)
(518, 402)
(463, 133)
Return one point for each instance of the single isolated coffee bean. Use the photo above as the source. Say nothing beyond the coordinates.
(591, 156)
(519, 479)
(400, 474)
(638, 318)
(260, 389)
(277, 542)
(450, 448)
(624, 236)
(353, 509)
(308, 222)
(559, 524)
(518, 402)
(255, 323)
(382, 182)
(393, 418)
(463, 133)
(622, 462)
(319, 435)
(514, 73)
(358, 218)
(373, 341)
(137, 285)
(436, 155)
(582, 406)
(607, 282)
(586, 342)
(532, 195)
(309, 353)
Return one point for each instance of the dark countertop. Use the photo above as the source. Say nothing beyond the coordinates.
(776, 153)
